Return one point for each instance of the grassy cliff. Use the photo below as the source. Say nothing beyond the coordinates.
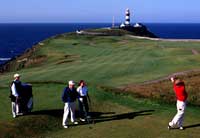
(114, 67)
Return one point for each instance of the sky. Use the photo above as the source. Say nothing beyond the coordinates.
(99, 11)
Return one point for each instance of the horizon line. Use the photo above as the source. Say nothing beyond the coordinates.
(96, 22)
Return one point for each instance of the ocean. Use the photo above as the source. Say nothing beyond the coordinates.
(16, 38)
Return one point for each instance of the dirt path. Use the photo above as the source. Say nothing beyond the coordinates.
(188, 73)
(163, 39)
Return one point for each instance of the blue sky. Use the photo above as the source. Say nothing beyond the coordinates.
(99, 11)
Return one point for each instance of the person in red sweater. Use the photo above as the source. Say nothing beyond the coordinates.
(181, 96)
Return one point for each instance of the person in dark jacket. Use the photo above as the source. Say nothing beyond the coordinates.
(69, 97)
(15, 95)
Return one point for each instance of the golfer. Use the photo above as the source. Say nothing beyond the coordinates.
(82, 100)
(181, 96)
(69, 97)
(14, 95)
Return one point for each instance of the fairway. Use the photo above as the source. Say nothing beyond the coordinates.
(104, 62)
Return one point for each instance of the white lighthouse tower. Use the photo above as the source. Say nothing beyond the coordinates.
(127, 18)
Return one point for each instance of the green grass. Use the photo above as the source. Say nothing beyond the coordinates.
(118, 117)
(111, 60)
(102, 61)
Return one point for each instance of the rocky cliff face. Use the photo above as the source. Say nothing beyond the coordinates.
(140, 30)
(24, 60)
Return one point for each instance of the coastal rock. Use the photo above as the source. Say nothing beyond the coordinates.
(139, 30)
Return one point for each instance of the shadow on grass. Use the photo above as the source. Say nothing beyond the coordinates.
(192, 126)
(59, 113)
(52, 112)
(130, 115)
(96, 117)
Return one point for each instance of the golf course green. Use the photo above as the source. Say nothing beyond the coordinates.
(109, 64)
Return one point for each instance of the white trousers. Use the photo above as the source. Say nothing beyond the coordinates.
(15, 109)
(178, 118)
(69, 107)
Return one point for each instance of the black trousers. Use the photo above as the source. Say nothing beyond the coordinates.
(83, 107)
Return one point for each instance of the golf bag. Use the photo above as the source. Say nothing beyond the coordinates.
(26, 98)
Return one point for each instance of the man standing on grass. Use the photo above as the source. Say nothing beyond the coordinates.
(14, 95)
(181, 96)
(69, 97)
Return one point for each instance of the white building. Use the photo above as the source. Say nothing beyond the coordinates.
(122, 25)
(127, 19)
(137, 25)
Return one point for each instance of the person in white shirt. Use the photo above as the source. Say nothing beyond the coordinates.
(14, 95)
(83, 100)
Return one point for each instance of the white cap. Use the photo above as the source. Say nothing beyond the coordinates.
(71, 82)
(16, 75)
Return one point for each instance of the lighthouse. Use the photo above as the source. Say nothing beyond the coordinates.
(137, 29)
(127, 18)
(127, 23)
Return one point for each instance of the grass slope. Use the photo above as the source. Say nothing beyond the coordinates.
(102, 61)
